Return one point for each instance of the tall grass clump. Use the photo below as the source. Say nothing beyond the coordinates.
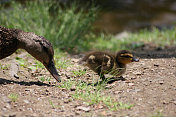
(161, 38)
(66, 27)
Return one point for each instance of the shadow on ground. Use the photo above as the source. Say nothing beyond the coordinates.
(5, 81)
(155, 52)
(108, 81)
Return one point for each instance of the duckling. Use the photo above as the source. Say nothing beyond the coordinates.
(104, 62)
(37, 46)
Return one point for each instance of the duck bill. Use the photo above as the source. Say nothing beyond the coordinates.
(52, 69)
(135, 59)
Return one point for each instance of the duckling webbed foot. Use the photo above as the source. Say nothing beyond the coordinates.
(113, 79)
(119, 78)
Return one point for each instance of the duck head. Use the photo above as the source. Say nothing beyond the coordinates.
(125, 57)
(39, 48)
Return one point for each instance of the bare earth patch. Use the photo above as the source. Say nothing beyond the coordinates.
(149, 86)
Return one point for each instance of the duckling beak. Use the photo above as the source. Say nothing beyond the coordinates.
(135, 59)
(52, 69)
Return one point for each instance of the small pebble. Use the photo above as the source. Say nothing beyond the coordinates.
(26, 101)
(86, 109)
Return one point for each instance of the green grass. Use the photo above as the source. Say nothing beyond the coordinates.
(61, 60)
(52, 105)
(4, 66)
(38, 64)
(92, 95)
(65, 27)
(69, 29)
(78, 73)
(158, 37)
(67, 84)
(43, 79)
(158, 114)
(21, 61)
(25, 63)
(13, 97)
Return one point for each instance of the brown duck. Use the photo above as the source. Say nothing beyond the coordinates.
(37, 46)
(104, 62)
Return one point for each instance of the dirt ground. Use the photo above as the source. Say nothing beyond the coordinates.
(150, 85)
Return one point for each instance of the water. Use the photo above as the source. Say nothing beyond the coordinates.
(133, 15)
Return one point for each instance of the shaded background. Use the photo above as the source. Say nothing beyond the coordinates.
(131, 15)
(118, 15)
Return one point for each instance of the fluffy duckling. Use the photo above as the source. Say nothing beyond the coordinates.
(37, 46)
(104, 63)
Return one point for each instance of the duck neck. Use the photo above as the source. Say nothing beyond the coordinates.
(31, 43)
(26, 40)
(121, 65)
(119, 69)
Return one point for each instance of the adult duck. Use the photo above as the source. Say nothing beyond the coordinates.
(37, 46)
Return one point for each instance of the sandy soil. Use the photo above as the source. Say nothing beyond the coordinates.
(149, 85)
